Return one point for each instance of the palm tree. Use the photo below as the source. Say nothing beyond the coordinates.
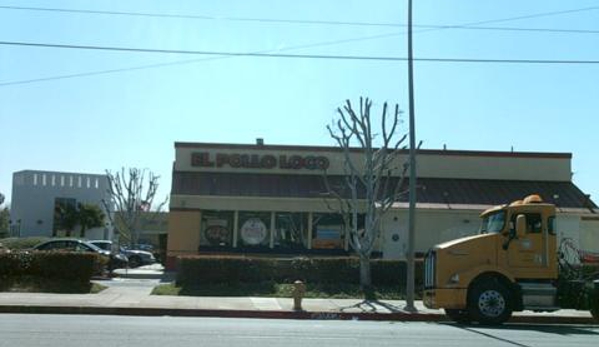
(67, 216)
(89, 216)
(86, 216)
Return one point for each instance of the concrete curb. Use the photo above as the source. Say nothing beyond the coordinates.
(304, 315)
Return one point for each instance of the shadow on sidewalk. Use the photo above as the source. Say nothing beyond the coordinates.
(370, 306)
(549, 329)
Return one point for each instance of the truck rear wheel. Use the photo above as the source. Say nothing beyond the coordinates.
(458, 316)
(489, 302)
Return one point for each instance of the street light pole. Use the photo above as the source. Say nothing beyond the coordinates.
(412, 188)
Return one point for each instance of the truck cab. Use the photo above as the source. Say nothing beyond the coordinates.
(511, 265)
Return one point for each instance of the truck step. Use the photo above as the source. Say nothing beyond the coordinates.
(542, 308)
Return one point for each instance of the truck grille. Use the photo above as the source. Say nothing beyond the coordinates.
(430, 269)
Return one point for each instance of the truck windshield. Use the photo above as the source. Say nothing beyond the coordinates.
(493, 223)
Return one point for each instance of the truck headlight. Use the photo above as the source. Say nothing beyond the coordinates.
(454, 279)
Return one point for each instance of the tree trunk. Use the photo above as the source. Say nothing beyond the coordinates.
(365, 278)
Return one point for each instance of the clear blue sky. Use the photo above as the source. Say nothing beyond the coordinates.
(131, 119)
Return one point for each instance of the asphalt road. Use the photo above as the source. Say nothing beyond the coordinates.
(90, 331)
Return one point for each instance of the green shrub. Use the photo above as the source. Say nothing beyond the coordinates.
(56, 269)
(30, 284)
(394, 272)
(575, 289)
(20, 243)
(12, 264)
(65, 265)
(197, 270)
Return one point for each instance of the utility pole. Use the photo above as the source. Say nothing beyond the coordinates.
(412, 189)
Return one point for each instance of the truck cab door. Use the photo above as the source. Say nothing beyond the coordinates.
(527, 250)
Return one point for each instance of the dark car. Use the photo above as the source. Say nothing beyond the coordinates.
(136, 257)
(116, 260)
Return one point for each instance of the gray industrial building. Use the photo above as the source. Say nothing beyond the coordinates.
(36, 194)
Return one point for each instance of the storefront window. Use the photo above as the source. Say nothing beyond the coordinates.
(217, 229)
(291, 230)
(254, 229)
(328, 231)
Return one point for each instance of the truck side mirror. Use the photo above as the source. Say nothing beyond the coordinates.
(516, 232)
(520, 225)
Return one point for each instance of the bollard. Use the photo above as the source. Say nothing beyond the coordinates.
(299, 289)
(594, 301)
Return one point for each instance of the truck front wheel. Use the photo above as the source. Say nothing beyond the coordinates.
(489, 302)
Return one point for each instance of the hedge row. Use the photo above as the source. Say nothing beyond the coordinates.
(194, 271)
(22, 243)
(63, 266)
(575, 287)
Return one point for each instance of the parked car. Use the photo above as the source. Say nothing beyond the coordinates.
(136, 257)
(141, 246)
(115, 260)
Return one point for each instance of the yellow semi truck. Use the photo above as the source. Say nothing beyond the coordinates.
(511, 265)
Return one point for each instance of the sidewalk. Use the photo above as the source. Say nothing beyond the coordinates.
(131, 296)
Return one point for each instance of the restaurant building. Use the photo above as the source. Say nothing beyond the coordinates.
(252, 199)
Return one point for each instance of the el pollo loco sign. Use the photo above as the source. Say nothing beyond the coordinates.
(257, 161)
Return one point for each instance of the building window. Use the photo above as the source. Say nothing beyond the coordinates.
(53, 180)
(291, 230)
(328, 231)
(43, 179)
(216, 229)
(88, 182)
(70, 181)
(61, 180)
(78, 181)
(254, 229)
(35, 179)
(97, 183)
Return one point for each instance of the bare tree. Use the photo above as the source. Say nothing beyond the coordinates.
(132, 194)
(372, 179)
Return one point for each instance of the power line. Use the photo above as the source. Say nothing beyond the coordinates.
(468, 26)
(511, 19)
(189, 61)
(326, 43)
(292, 56)
(545, 30)
(531, 16)
(200, 17)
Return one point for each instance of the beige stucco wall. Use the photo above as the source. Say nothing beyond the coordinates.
(589, 235)
(432, 227)
(475, 165)
(183, 232)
